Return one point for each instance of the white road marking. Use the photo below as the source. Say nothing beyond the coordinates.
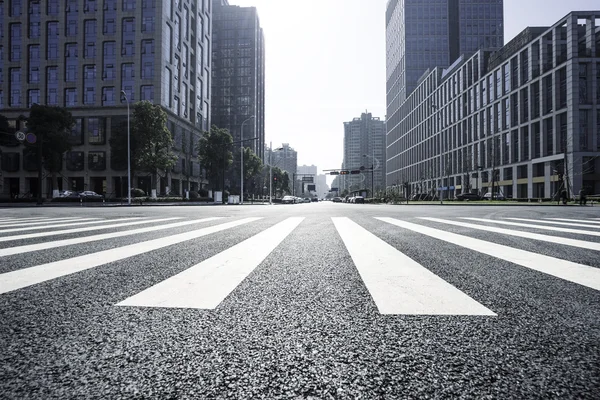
(398, 284)
(528, 235)
(86, 239)
(121, 223)
(30, 219)
(32, 228)
(587, 221)
(567, 270)
(22, 278)
(26, 223)
(555, 223)
(545, 228)
(207, 284)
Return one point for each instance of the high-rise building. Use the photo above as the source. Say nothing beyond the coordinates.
(523, 121)
(364, 146)
(321, 185)
(422, 34)
(285, 158)
(81, 55)
(304, 171)
(238, 70)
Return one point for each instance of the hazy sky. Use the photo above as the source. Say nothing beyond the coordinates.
(325, 64)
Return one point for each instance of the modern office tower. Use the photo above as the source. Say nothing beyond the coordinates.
(423, 34)
(238, 70)
(364, 146)
(523, 121)
(80, 54)
(321, 185)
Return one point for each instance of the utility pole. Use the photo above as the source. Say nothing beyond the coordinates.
(40, 169)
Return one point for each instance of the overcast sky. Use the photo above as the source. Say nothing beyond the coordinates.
(325, 64)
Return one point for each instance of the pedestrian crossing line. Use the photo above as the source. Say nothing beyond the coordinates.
(121, 223)
(22, 278)
(30, 219)
(397, 283)
(94, 238)
(32, 228)
(527, 235)
(23, 224)
(541, 227)
(555, 223)
(587, 221)
(563, 269)
(206, 284)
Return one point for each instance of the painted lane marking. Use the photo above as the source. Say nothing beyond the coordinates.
(16, 219)
(32, 228)
(555, 223)
(207, 284)
(567, 270)
(121, 223)
(587, 221)
(397, 283)
(86, 239)
(540, 227)
(527, 235)
(12, 224)
(22, 278)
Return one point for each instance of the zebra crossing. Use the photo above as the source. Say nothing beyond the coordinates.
(397, 283)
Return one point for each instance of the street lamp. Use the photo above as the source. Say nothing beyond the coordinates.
(373, 168)
(128, 151)
(242, 160)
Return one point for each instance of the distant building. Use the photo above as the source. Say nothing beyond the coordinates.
(523, 120)
(364, 146)
(322, 186)
(81, 55)
(285, 158)
(238, 73)
(305, 171)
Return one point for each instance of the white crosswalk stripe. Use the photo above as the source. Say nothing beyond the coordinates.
(30, 219)
(538, 221)
(33, 228)
(398, 284)
(541, 227)
(46, 222)
(86, 239)
(567, 270)
(207, 284)
(22, 278)
(587, 221)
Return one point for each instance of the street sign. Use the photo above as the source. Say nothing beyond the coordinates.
(308, 179)
(311, 188)
(334, 173)
(20, 136)
(334, 189)
(31, 138)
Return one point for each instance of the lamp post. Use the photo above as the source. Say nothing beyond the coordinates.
(373, 168)
(242, 160)
(128, 151)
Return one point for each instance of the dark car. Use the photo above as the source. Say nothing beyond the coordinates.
(359, 199)
(468, 196)
(314, 200)
(89, 195)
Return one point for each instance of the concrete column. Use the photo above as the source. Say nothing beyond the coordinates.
(530, 180)
(547, 183)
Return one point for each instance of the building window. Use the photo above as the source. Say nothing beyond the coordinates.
(108, 96)
(75, 160)
(52, 7)
(15, 87)
(147, 93)
(15, 42)
(34, 97)
(11, 162)
(128, 5)
(95, 130)
(97, 160)
(76, 136)
(70, 97)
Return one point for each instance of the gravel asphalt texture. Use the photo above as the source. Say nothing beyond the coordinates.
(302, 325)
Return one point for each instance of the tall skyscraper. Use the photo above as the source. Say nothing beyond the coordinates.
(80, 54)
(364, 146)
(238, 66)
(422, 34)
(285, 158)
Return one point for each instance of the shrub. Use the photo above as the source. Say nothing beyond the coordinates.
(137, 192)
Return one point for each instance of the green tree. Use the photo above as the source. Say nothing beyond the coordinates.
(7, 134)
(252, 166)
(153, 139)
(52, 126)
(214, 153)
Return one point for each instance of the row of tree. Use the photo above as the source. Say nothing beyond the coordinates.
(151, 145)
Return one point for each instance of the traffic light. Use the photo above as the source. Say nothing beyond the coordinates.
(334, 173)
(355, 172)
(275, 178)
(344, 172)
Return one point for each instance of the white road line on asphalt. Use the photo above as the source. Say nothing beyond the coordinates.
(563, 269)
(528, 235)
(22, 278)
(61, 225)
(555, 223)
(397, 283)
(121, 223)
(23, 224)
(587, 221)
(207, 284)
(94, 238)
(541, 227)
(30, 219)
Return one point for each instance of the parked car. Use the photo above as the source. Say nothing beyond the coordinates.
(288, 200)
(358, 199)
(497, 196)
(468, 196)
(337, 200)
(314, 199)
(88, 195)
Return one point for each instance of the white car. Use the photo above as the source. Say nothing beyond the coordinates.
(497, 196)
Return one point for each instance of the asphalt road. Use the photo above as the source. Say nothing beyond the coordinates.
(312, 301)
